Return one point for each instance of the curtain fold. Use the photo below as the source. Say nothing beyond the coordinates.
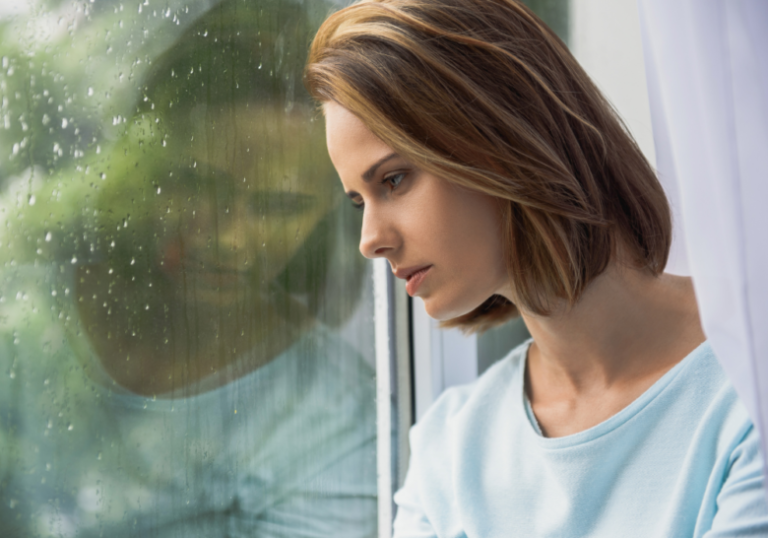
(707, 71)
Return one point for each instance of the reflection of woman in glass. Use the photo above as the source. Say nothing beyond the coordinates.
(201, 279)
(494, 177)
(209, 208)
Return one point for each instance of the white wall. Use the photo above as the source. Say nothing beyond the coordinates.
(606, 40)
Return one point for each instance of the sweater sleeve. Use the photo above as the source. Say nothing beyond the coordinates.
(742, 508)
(426, 498)
(410, 520)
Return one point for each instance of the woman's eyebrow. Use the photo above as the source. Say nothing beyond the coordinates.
(368, 174)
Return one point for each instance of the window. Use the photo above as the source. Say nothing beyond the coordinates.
(186, 326)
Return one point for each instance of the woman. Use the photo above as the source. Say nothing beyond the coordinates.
(497, 180)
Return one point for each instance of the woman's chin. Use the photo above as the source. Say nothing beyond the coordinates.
(443, 310)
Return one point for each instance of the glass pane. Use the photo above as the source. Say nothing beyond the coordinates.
(186, 339)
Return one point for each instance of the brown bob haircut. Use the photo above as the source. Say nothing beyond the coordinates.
(483, 94)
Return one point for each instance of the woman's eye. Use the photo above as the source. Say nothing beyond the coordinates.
(394, 180)
(359, 206)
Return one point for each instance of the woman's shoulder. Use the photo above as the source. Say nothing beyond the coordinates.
(440, 439)
(700, 394)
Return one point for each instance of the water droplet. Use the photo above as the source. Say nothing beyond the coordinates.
(64, 123)
(133, 261)
(32, 199)
(70, 427)
(159, 190)
(74, 260)
(48, 237)
(103, 176)
(90, 91)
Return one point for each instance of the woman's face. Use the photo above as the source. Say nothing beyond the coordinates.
(444, 239)
(265, 186)
(225, 206)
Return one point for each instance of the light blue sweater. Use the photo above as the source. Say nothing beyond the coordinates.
(682, 460)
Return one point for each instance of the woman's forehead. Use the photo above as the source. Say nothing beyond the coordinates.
(351, 144)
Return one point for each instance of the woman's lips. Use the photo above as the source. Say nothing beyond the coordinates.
(415, 279)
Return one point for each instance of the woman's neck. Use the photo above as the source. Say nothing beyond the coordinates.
(589, 361)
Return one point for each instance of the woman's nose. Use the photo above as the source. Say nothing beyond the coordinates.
(378, 237)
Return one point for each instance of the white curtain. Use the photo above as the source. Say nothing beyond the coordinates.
(707, 70)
